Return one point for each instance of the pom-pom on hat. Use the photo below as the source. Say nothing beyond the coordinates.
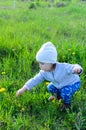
(47, 53)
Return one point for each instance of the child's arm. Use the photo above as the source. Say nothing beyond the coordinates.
(21, 91)
(31, 83)
(77, 69)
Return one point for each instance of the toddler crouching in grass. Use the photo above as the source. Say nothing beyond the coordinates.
(63, 77)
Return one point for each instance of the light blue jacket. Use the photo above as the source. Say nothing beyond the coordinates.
(61, 76)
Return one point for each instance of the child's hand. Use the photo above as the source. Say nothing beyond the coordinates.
(20, 92)
(77, 70)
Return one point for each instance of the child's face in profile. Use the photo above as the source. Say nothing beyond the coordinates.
(46, 66)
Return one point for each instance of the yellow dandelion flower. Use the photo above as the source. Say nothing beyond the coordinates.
(2, 89)
(69, 49)
(73, 53)
(19, 105)
(3, 73)
(63, 57)
(23, 109)
(46, 83)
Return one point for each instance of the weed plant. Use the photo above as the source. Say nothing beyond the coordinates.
(22, 31)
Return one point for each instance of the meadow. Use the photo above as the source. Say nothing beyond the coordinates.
(23, 30)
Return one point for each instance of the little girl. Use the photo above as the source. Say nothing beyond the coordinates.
(63, 77)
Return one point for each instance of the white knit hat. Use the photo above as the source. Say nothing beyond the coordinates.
(47, 53)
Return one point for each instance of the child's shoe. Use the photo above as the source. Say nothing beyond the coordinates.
(54, 97)
(51, 98)
(59, 97)
(65, 106)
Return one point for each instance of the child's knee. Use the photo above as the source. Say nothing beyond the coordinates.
(49, 88)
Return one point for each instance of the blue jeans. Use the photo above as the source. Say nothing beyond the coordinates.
(65, 93)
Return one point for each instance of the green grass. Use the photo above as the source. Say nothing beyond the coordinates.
(22, 32)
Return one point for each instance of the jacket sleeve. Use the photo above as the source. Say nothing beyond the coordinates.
(38, 78)
(69, 68)
(78, 66)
